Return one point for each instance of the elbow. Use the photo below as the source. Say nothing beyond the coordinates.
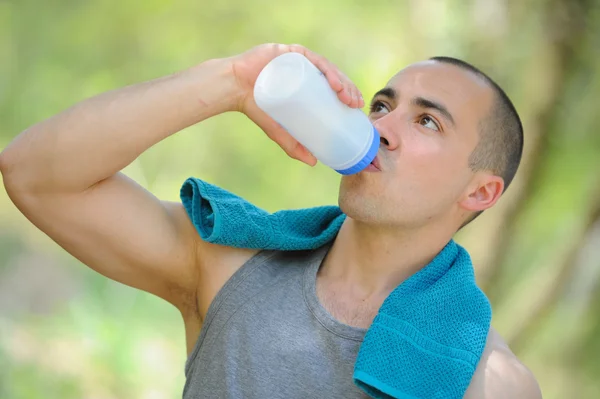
(3, 161)
(7, 167)
(10, 161)
(6, 163)
(19, 193)
(19, 167)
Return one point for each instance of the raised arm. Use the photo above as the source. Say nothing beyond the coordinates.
(63, 173)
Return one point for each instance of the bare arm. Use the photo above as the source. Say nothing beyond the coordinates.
(500, 375)
(63, 174)
(105, 133)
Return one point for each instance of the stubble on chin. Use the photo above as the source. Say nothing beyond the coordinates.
(356, 199)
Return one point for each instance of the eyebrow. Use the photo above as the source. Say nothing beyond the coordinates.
(425, 103)
(420, 102)
(387, 92)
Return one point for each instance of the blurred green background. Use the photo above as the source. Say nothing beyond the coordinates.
(67, 332)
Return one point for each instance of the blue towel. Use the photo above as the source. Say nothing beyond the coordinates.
(430, 332)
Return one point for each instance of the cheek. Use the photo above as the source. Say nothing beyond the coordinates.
(431, 163)
(422, 152)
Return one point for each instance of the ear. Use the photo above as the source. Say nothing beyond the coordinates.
(483, 193)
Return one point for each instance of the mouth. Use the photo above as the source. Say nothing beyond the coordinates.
(374, 166)
(376, 163)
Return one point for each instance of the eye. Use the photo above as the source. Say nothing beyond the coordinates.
(428, 122)
(379, 107)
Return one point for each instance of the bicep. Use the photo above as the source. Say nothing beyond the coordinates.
(123, 232)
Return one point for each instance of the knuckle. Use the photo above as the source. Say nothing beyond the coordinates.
(269, 46)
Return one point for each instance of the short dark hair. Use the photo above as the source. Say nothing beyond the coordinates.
(500, 144)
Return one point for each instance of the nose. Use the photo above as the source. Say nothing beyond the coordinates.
(387, 137)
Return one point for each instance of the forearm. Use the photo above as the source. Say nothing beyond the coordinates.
(98, 137)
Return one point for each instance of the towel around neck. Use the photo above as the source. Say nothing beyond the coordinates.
(430, 332)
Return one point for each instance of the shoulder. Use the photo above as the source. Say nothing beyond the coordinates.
(500, 374)
(211, 264)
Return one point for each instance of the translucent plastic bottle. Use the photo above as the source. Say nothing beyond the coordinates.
(292, 91)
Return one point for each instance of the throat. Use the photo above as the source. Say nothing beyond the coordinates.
(346, 307)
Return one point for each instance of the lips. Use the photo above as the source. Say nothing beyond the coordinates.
(376, 163)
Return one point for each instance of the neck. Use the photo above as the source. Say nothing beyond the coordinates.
(375, 260)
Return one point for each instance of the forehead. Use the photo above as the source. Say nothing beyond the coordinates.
(467, 96)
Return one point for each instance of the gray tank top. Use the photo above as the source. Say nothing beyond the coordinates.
(266, 336)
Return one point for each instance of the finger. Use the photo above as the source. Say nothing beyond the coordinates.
(358, 96)
(353, 92)
(345, 95)
(348, 95)
(347, 92)
(355, 97)
(330, 71)
(307, 156)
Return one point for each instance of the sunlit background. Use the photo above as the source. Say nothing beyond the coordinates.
(66, 332)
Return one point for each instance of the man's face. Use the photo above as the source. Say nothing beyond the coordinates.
(428, 116)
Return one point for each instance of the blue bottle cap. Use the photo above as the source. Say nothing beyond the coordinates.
(367, 159)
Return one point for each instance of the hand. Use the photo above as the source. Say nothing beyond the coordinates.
(246, 68)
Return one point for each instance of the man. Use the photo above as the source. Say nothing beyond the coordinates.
(450, 144)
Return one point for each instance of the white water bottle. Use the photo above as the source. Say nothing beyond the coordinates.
(296, 94)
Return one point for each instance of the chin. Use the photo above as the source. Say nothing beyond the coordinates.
(368, 203)
(359, 206)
